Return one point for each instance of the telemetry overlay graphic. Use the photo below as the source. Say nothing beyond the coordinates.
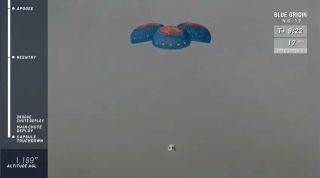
(170, 37)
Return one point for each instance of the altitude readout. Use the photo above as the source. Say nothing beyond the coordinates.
(26, 160)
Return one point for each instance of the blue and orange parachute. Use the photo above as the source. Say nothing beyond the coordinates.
(170, 37)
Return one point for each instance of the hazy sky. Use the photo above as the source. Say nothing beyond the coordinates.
(233, 108)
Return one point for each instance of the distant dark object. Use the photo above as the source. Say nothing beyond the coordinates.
(172, 147)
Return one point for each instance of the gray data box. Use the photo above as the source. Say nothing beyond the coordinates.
(290, 50)
(290, 42)
(290, 31)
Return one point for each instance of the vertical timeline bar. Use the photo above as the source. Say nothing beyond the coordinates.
(9, 69)
(29, 74)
